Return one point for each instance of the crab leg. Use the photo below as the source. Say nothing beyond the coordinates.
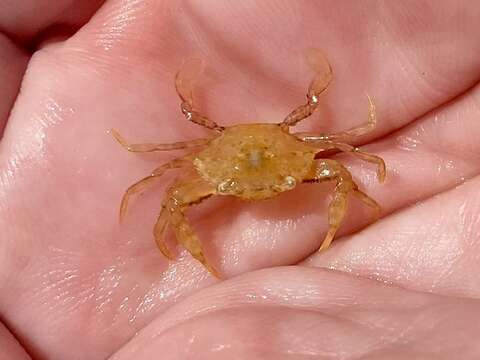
(335, 141)
(331, 170)
(374, 159)
(181, 196)
(184, 83)
(159, 232)
(355, 151)
(323, 76)
(158, 147)
(349, 135)
(143, 183)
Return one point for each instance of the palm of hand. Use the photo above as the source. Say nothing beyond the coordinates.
(75, 284)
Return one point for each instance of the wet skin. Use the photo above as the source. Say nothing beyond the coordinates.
(74, 284)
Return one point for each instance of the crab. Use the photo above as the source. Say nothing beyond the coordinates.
(252, 161)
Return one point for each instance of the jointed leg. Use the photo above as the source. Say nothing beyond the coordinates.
(374, 159)
(368, 201)
(190, 241)
(143, 183)
(159, 232)
(328, 170)
(355, 132)
(181, 196)
(323, 76)
(336, 213)
(157, 147)
(337, 210)
(331, 170)
(335, 141)
(377, 160)
(184, 83)
(349, 135)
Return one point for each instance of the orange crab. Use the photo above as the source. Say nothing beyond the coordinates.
(252, 161)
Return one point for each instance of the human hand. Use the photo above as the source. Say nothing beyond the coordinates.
(75, 284)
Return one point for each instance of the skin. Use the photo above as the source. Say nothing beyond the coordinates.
(75, 284)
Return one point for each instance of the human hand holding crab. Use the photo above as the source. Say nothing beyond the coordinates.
(74, 284)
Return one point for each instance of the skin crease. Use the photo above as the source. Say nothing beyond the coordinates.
(12, 66)
(75, 284)
(10, 348)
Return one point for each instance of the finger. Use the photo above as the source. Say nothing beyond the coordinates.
(308, 313)
(430, 247)
(25, 25)
(275, 80)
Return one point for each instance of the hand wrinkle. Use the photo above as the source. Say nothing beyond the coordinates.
(466, 227)
(263, 233)
(62, 280)
(116, 27)
(108, 279)
(147, 302)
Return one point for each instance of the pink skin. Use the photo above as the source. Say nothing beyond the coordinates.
(74, 284)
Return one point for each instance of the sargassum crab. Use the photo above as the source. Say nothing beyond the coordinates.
(252, 161)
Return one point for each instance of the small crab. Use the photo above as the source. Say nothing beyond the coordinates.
(252, 161)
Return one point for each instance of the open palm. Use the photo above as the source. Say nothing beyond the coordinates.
(75, 284)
